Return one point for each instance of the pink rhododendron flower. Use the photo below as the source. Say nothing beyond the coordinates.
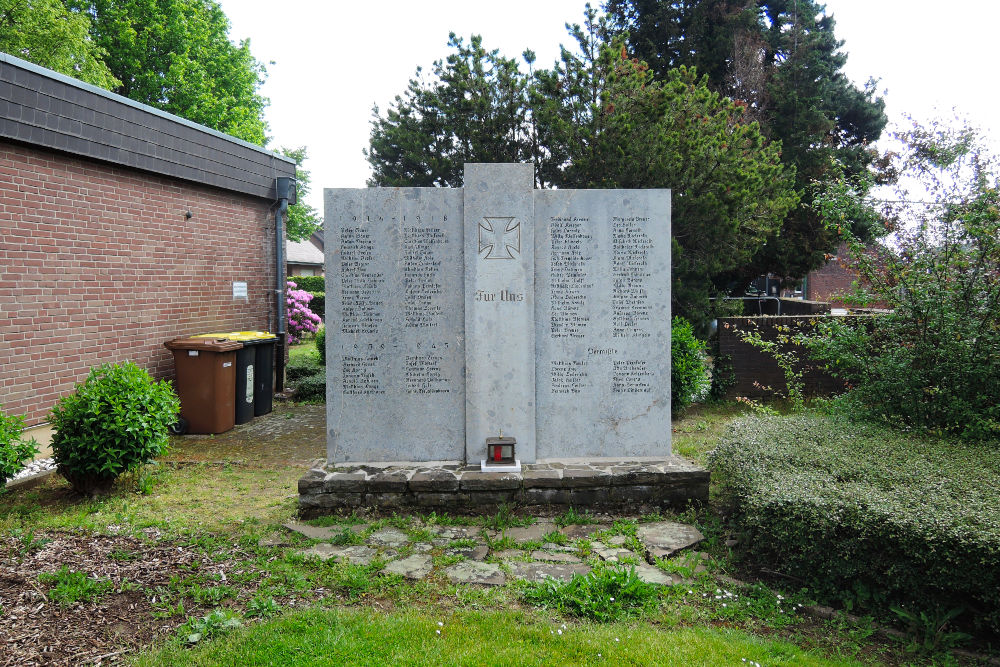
(301, 320)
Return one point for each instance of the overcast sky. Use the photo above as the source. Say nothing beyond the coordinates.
(332, 60)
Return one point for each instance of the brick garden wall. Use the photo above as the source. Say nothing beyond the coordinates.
(754, 370)
(98, 264)
(789, 306)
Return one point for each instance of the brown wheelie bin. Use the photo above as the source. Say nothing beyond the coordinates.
(206, 383)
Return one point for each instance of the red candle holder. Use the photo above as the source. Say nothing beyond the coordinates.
(500, 451)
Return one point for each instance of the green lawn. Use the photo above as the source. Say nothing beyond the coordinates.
(304, 351)
(432, 636)
(698, 430)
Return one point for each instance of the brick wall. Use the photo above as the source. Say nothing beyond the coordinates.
(99, 264)
(754, 370)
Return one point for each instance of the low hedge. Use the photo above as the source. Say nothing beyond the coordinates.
(868, 515)
(300, 368)
(311, 387)
(309, 283)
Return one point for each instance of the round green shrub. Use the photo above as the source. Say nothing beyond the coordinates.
(688, 376)
(117, 420)
(321, 345)
(14, 452)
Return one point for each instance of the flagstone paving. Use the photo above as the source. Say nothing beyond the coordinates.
(575, 532)
(356, 554)
(654, 575)
(416, 566)
(613, 554)
(478, 552)
(665, 538)
(541, 571)
(533, 533)
(411, 553)
(554, 556)
(474, 572)
(389, 537)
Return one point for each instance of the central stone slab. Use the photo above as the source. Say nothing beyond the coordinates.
(456, 314)
(499, 307)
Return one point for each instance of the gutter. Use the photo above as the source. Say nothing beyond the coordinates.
(285, 194)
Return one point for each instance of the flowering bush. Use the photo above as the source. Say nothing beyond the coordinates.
(301, 320)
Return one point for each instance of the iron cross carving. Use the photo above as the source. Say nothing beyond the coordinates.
(501, 237)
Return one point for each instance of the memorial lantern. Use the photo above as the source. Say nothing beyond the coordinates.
(500, 450)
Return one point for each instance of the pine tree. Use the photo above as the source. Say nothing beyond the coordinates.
(598, 119)
(781, 59)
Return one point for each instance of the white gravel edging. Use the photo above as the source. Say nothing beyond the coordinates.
(34, 468)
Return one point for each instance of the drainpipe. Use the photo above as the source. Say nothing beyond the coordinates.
(285, 192)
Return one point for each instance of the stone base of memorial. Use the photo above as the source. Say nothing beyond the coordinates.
(611, 484)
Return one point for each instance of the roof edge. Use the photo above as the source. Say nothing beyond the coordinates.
(83, 85)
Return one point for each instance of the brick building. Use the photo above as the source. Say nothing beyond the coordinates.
(832, 280)
(838, 278)
(121, 227)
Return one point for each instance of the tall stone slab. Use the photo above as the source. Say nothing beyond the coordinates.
(499, 307)
(602, 283)
(395, 325)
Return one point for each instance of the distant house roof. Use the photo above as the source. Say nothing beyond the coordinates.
(47, 109)
(303, 252)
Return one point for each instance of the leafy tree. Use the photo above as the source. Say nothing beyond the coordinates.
(932, 362)
(49, 34)
(176, 55)
(783, 61)
(302, 218)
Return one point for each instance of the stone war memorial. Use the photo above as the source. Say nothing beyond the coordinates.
(498, 343)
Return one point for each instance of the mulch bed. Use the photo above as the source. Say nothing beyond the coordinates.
(40, 631)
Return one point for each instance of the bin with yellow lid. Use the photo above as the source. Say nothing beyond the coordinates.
(254, 372)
